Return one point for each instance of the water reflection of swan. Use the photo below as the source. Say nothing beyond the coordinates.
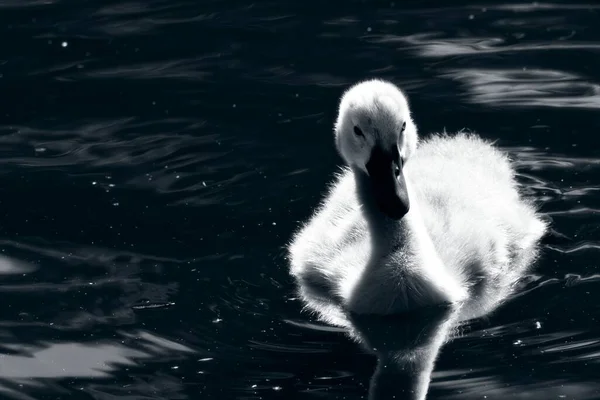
(406, 347)
(408, 226)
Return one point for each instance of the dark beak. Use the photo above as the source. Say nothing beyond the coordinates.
(387, 182)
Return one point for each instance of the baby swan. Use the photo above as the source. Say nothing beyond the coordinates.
(409, 224)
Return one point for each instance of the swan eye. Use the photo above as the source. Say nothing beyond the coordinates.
(403, 127)
(358, 131)
(397, 171)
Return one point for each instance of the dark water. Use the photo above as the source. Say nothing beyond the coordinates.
(157, 155)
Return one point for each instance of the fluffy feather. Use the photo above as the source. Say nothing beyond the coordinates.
(467, 237)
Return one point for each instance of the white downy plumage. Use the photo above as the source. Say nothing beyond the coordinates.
(463, 234)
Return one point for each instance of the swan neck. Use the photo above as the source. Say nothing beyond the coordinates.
(385, 231)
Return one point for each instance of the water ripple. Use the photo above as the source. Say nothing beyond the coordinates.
(100, 143)
(535, 159)
(495, 388)
(517, 88)
(90, 255)
(581, 211)
(173, 155)
(432, 45)
(509, 29)
(281, 348)
(8, 4)
(575, 345)
(124, 19)
(83, 272)
(32, 365)
(577, 248)
(9, 265)
(537, 6)
(189, 69)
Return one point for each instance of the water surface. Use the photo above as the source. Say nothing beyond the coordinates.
(156, 156)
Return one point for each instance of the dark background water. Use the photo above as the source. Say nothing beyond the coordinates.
(157, 155)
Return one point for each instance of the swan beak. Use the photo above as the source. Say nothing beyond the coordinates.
(388, 183)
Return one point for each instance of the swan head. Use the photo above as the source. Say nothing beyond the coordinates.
(376, 136)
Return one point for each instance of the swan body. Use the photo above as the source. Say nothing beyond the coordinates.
(408, 223)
